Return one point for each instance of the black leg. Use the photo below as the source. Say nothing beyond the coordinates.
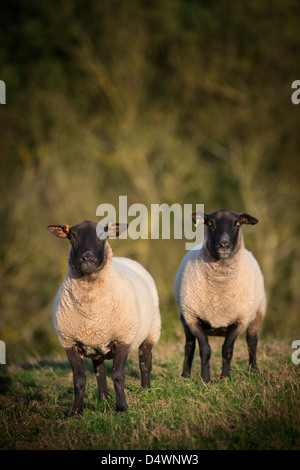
(100, 371)
(79, 378)
(118, 374)
(145, 361)
(189, 349)
(205, 351)
(252, 346)
(227, 348)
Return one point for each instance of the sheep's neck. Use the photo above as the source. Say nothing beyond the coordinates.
(223, 270)
(90, 293)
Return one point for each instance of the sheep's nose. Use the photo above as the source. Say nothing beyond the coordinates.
(224, 244)
(88, 257)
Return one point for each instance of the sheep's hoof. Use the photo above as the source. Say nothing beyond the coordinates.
(224, 377)
(121, 407)
(206, 380)
(104, 396)
(76, 413)
(185, 375)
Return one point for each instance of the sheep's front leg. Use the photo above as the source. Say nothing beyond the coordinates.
(205, 350)
(100, 372)
(145, 362)
(189, 349)
(79, 378)
(227, 348)
(118, 374)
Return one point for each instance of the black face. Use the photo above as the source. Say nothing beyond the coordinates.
(223, 231)
(87, 250)
(87, 240)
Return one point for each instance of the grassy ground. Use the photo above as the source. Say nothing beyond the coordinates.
(251, 411)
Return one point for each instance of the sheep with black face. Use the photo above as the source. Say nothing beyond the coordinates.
(105, 308)
(219, 290)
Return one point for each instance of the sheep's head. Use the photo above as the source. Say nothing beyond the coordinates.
(223, 231)
(87, 240)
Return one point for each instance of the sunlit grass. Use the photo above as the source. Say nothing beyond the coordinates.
(251, 411)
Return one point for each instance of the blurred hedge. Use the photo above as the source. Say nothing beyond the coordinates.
(163, 101)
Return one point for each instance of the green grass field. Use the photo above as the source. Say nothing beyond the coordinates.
(251, 411)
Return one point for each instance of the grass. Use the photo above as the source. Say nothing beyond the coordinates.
(251, 411)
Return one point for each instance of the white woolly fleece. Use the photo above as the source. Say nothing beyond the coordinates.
(220, 292)
(117, 303)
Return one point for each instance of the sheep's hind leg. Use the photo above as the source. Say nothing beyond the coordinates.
(100, 372)
(251, 337)
(145, 362)
(252, 346)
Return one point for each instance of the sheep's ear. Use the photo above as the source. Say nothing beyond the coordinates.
(199, 218)
(59, 231)
(248, 219)
(114, 230)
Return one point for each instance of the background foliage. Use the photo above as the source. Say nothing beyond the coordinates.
(165, 101)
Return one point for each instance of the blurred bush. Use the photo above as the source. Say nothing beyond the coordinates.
(169, 101)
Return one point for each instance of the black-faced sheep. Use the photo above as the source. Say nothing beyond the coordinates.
(219, 290)
(105, 308)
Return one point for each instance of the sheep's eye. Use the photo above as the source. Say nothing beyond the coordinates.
(209, 223)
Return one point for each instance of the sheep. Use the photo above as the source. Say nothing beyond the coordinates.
(219, 291)
(105, 308)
